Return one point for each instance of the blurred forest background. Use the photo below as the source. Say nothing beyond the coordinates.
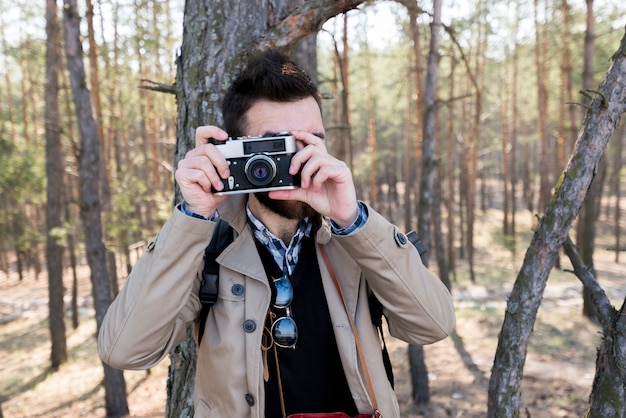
(514, 82)
(510, 99)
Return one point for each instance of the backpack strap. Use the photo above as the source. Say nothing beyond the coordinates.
(222, 237)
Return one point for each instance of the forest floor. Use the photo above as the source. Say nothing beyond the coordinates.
(558, 373)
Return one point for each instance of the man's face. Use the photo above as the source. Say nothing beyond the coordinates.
(265, 117)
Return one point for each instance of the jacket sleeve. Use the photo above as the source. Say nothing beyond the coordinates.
(417, 304)
(159, 301)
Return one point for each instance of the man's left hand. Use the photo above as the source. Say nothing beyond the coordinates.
(326, 182)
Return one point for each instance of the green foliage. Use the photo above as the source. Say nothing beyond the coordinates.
(22, 185)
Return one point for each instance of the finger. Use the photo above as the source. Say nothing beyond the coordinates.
(207, 168)
(210, 152)
(205, 133)
(192, 177)
(303, 156)
(308, 138)
(315, 169)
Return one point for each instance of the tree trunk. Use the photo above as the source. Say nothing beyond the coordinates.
(617, 167)
(372, 140)
(541, 71)
(71, 247)
(506, 169)
(514, 127)
(608, 394)
(450, 167)
(55, 169)
(414, 175)
(601, 121)
(90, 205)
(419, 377)
(212, 51)
(341, 129)
(304, 53)
(586, 231)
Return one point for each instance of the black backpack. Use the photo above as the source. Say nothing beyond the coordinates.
(223, 236)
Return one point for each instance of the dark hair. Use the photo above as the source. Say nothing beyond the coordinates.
(270, 76)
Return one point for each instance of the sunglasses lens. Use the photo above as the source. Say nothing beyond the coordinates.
(285, 332)
(284, 292)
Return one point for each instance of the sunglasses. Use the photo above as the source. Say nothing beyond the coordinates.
(284, 329)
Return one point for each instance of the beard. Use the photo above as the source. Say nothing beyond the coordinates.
(289, 209)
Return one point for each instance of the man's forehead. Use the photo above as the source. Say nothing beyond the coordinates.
(270, 118)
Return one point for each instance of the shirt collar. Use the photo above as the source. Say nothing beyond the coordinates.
(264, 235)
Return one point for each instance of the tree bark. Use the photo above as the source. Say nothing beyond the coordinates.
(218, 37)
(55, 169)
(89, 201)
(601, 121)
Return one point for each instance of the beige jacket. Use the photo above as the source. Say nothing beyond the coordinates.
(159, 301)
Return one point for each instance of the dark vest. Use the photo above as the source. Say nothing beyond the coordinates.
(312, 376)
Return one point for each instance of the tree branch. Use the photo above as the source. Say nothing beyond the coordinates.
(304, 20)
(154, 86)
(586, 276)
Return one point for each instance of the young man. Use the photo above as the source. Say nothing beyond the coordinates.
(278, 340)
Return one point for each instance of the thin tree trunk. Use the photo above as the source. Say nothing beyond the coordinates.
(90, 204)
(542, 110)
(55, 169)
(523, 303)
(421, 391)
(418, 77)
(513, 163)
(450, 173)
(506, 169)
(586, 232)
(96, 101)
(617, 167)
(408, 165)
(341, 128)
(372, 141)
(473, 147)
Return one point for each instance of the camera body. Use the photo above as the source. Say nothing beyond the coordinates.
(258, 164)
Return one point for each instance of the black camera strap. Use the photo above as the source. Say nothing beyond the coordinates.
(222, 237)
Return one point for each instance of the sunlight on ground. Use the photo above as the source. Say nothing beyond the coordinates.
(27, 389)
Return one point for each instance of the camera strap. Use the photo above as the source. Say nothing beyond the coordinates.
(222, 237)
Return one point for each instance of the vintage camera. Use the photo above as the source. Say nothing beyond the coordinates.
(259, 164)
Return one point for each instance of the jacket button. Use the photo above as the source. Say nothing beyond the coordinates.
(401, 238)
(250, 399)
(237, 289)
(249, 326)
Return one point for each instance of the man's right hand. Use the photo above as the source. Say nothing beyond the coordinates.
(201, 171)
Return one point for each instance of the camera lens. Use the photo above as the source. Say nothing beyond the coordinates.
(260, 170)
